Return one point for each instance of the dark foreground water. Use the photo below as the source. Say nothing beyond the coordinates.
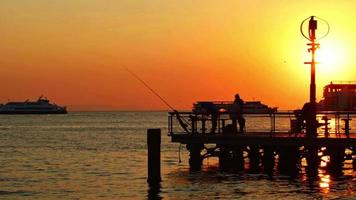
(102, 155)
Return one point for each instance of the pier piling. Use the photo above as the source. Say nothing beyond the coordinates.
(268, 159)
(288, 160)
(154, 156)
(238, 157)
(195, 158)
(254, 156)
(313, 161)
(336, 163)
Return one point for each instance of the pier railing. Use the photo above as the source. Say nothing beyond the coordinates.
(340, 123)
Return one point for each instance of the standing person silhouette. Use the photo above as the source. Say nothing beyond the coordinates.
(236, 114)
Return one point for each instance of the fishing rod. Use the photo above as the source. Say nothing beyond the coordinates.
(182, 121)
(147, 86)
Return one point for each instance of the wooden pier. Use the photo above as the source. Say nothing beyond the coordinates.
(266, 135)
(264, 138)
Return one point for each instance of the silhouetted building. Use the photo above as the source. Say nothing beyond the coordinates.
(339, 96)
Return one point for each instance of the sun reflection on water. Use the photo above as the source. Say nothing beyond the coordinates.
(324, 177)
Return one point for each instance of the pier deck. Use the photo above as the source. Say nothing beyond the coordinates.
(264, 138)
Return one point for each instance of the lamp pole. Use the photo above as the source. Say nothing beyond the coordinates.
(310, 108)
(313, 25)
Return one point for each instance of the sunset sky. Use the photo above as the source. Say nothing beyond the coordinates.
(73, 51)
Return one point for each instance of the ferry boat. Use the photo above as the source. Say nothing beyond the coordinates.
(250, 107)
(339, 96)
(41, 106)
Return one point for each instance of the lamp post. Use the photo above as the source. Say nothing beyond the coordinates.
(310, 109)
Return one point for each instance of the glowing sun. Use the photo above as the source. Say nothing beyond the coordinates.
(331, 58)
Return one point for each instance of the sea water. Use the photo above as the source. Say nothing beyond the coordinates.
(103, 155)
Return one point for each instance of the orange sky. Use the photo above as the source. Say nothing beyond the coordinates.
(72, 51)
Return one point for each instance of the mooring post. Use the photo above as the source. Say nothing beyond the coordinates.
(154, 156)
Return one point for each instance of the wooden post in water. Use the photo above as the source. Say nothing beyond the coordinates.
(254, 155)
(268, 159)
(354, 157)
(313, 161)
(336, 160)
(195, 158)
(154, 156)
(238, 157)
(224, 157)
(288, 160)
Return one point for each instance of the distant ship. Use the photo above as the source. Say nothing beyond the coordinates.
(41, 106)
(250, 107)
(339, 96)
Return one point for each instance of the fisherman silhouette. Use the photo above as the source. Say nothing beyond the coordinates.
(305, 118)
(236, 114)
(310, 122)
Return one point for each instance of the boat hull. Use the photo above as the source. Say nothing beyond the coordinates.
(41, 106)
(29, 112)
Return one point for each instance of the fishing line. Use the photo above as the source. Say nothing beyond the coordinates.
(155, 93)
(179, 158)
(147, 86)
